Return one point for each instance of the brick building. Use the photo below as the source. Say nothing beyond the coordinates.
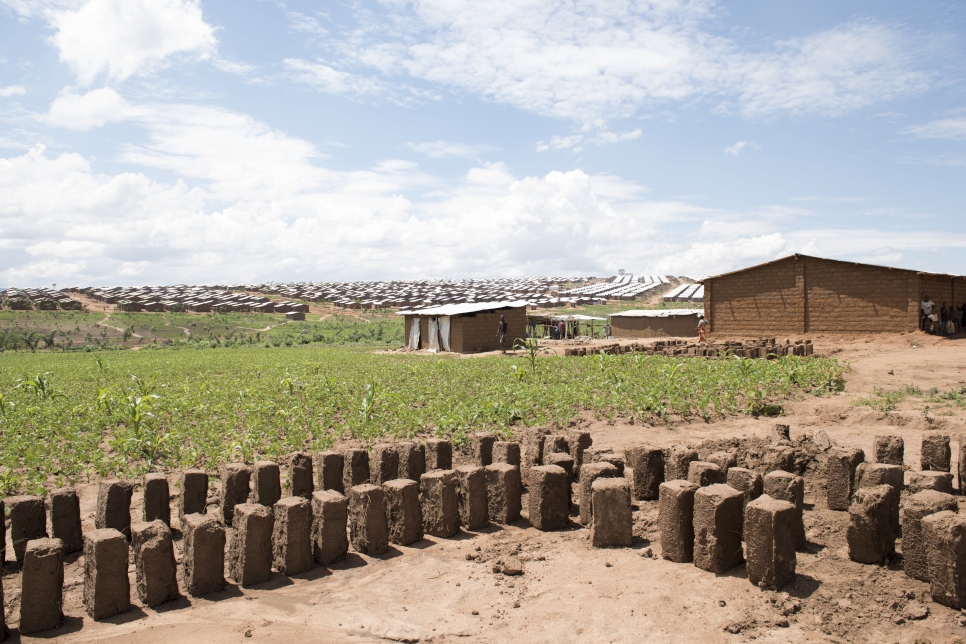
(803, 294)
(657, 323)
(464, 328)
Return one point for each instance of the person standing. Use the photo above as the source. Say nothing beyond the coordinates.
(702, 329)
(501, 332)
(925, 310)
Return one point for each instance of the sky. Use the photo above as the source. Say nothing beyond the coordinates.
(239, 141)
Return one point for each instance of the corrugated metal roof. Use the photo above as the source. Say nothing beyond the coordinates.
(657, 313)
(470, 307)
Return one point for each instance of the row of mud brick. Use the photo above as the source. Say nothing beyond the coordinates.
(925, 513)
(766, 349)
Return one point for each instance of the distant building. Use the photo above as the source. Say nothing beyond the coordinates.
(656, 323)
(464, 328)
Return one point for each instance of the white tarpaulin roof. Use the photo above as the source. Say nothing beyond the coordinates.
(469, 307)
(657, 313)
(567, 318)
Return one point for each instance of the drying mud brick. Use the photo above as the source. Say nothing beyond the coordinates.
(412, 460)
(717, 528)
(549, 497)
(330, 515)
(555, 444)
(888, 449)
(267, 484)
(579, 442)
(841, 476)
(944, 534)
(65, 519)
(403, 512)
(506, 452)
(503, 493)
(962, 463)
(235, 487)
(781, 434)
(157, 502)
(42, 586)
(871, 534)
(532, 450)
(703, 474)
(440, 503)
(156, 572)
(779, 457)
(204, 554)
(647, 465)
(483, 448)
(784, 486)
(107, 590)
(746, 481)
(769, 531)
(114, 506)
(292, 536)
(612, 523)
(724, 460)
(676, 463)
(368, 529)
(675, 520)
(301, 481)
(939, 481)
(356, 468)
(589, 473)
(918, 506)
(872, 474)
(935, 452)
(250, 550)
(613, 459)
(330, 471)
(562, 460)
(439, 454)
(384, 465)
(471, 490)
(194, 494)
(28, 521)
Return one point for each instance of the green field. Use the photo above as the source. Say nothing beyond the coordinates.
(67, 416)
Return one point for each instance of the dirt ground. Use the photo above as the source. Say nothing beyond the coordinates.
(446, 590)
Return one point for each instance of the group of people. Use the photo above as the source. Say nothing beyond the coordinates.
(945, 320)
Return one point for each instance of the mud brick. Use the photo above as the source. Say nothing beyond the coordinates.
(779, 457)
(384, 464)
(107, 590)
(939, 481)
(471, 491)
(368, 529)
(675, 520)
(703, 474)
(330, 515)
(769, 530)
(194, 494)
(412, 460)
(440, 503)
(780, 434)
(292, 536)
(676, 463)
(841, 476)
(724, 460)
(204, 554)
(935, 452)
(962, 464)
(330, 471)
(28, 521)
(717, 528)
(503, 492)
(532, 450)
(561, 459)
(157, 502)
(439, 454)
(647, 464)
(579, 442)
(301, 480)
(918, 506)
(589, 473)
(871, 534)
(403, 512)
(872, 474)
(785, 486)
(114, 506)
(156, 572)
(612, 458)
(267, 484)
(944, 534)
(549, 497)
(555, 444)
(42, 586)
(250, 549)
(483, 448)
(746, 481)
(888, 450)
(612, 521)
(506, 452)
(235, 483)
(65, 519)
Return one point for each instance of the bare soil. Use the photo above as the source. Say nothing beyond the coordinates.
(447, 589)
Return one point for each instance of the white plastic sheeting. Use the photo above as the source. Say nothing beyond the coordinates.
(414, 335)
(444, 331)
(433, 336)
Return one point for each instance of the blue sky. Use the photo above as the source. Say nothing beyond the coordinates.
(167, 141)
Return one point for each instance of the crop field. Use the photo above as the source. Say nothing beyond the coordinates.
(70, 416)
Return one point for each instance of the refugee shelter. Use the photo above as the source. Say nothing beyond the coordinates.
(464, 328)
(577, 324)
(657, 323)
(804, 294)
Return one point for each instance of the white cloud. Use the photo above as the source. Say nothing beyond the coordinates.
(951, 128)
(443, 149)
(735, 149)
(120, 38)
(90, 110)
(332, 81)
(12, 90)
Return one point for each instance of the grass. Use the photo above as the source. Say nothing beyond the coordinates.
(71, 416)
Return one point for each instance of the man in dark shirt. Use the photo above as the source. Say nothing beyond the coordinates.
(501, 333)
